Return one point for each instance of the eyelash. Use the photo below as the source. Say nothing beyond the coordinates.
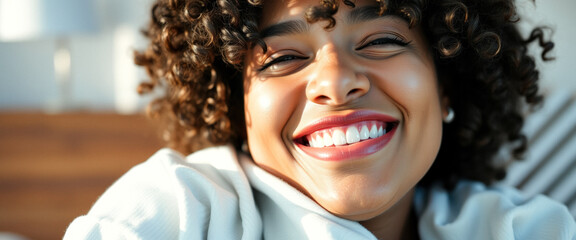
(379, 41)
(280, 59)
(384, 41)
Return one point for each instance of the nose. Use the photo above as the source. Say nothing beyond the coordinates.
(335, 81)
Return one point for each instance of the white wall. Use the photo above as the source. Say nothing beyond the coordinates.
(104, 78)
(560, 16)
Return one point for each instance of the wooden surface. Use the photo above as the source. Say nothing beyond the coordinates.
(53, 167)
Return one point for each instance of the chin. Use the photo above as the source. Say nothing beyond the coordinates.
(358, 203)
(359, 210)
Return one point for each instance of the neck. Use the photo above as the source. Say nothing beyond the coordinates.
(396, 223)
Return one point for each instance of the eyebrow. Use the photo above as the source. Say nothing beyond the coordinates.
(357, 15)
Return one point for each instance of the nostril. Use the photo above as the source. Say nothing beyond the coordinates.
(353, 91)
(322, 99)
(356, 92)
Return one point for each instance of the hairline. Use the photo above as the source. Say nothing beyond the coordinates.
(357, 15)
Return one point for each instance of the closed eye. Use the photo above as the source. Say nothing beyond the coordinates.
(384, 41)
(281, 60)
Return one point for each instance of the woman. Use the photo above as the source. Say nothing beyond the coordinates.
(351, 120)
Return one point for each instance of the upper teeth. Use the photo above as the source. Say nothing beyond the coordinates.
(346, 135)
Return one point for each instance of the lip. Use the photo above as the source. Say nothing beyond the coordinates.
(352, 151)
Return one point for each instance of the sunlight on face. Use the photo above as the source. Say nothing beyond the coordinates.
(350, 116)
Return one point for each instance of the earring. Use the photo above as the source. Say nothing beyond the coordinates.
(244, 147)
(450, 117)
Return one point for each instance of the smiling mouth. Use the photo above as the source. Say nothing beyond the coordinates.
(346, 135)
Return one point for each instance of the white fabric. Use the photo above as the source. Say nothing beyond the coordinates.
(289, 214)
(474, 211)
(212, 194)
(204, 196)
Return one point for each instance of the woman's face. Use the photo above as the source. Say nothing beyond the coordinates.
(351, 116)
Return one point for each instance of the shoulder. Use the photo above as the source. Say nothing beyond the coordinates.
(498, 212)
(168, 196)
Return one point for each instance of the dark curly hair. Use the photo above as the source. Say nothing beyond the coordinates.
(197, 48)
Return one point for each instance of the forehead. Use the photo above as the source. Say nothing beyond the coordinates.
(275, 11)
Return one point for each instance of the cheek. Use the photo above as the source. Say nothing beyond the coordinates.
(412, 86)
(268, 109)
(259, 107)
(423, 114)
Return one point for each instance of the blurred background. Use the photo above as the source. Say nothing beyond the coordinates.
(71, 121)
(66, 55)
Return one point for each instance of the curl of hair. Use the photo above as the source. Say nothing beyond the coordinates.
(488, 76)
(196, 47)
(483, 66)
